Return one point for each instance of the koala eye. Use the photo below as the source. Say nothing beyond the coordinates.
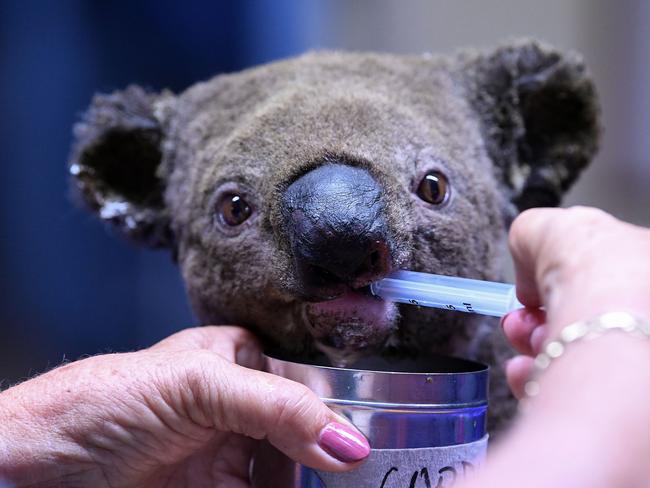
(434, 188)
(233, 209)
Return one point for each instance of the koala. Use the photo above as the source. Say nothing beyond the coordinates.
(284, 190)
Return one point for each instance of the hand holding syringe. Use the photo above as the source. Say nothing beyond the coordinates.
(448, 292)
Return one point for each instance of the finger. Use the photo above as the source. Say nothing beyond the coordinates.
(526, 239)
(288, 414)
(558, 256)
(223, 462)
(518, 371)
(233, 343)
(519, 327)
(231, 458)
(538, 338)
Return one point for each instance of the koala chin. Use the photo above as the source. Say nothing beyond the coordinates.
(284, 190)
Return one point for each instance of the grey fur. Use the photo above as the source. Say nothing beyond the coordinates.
(511, 128)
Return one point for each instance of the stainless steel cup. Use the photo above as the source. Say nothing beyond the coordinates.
(425, 421)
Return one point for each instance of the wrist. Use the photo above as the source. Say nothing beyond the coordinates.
(582, 331)
(599, 370)
(588, 295)
(594, 398)
(33, 449)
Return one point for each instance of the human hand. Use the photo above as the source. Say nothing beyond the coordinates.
(587, 427)
(578, 263)
(185, 412)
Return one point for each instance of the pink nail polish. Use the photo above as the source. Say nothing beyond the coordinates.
(343, 443)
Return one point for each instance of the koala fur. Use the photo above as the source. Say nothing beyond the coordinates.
(510, 129)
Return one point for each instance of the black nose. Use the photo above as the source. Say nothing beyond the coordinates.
(337, 229)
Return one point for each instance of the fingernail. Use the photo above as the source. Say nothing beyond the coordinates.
(537, 338)
(343, 443)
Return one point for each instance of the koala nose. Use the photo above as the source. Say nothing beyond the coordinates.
(337, 230)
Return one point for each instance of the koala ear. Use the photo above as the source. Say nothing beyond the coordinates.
(116, 164)
(539, 117)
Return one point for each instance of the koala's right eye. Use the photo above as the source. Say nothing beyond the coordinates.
(233, 209)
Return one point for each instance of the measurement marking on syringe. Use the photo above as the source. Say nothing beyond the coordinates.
(468, 306)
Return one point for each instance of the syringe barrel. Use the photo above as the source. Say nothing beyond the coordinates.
(447, 292)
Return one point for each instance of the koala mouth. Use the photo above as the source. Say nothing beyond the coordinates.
(353, 325)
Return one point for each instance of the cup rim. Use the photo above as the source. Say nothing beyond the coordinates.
(388, 389)
(476, 366)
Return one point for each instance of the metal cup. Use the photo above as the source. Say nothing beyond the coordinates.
(425, 421)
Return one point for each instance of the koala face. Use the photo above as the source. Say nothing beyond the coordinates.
(285, 190)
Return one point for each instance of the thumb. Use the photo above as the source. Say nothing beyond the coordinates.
(293, 419)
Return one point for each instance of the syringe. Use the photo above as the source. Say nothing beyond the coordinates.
(448, 292)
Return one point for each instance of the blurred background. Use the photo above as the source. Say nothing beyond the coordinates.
(67, 288)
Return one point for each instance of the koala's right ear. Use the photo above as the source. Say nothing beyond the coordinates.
(115, 164)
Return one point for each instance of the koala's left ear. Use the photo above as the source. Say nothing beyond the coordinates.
(116, 164)
(539, 117)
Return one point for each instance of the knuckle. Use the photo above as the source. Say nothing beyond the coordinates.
(295, 405)
(589, 228)
(524, 219)
(186, 338)
(533, 213)
(230, 330)
(191, 332)
(574, 241)
(556, 229)
(528, 220)
(197, 387)
(586, 216)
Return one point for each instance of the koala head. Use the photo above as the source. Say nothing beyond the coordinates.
(284, 190)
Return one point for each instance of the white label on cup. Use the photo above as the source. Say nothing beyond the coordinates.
(431, 467)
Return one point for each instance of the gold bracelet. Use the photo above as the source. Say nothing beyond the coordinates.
(584, 329)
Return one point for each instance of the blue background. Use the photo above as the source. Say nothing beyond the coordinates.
(67, 288)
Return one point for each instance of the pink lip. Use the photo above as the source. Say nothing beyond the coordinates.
(355, 303)
(353, 322)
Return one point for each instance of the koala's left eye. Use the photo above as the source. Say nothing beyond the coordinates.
(233, 209)
(434, 188)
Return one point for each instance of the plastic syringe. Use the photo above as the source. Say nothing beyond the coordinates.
(448, 292)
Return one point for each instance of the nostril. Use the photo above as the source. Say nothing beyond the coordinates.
(366, 266)
(351, 269)
(322, 276)
(375, 264)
